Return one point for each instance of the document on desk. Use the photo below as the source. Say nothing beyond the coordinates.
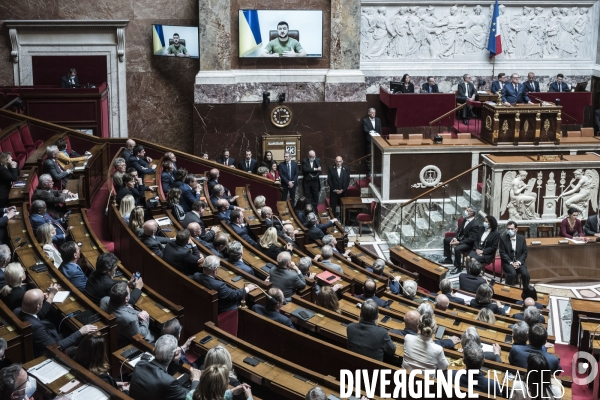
(163, 221)
(465, 297)
(487, 347)
(366, 200)
(81, 167)
(138, 358)
(88, 392)
(61, 296)
(73, 198)
(48, 371)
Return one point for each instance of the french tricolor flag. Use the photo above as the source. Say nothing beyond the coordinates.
(495, 40)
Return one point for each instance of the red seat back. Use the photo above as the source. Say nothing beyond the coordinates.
(68, 144)
(26, 135)
(17, 144)
(228, 321)
(34, 184)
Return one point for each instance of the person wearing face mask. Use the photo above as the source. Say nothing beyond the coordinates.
(16, 384)
(101, 280)
(463, 241)
(486, 242)
(513, 252)
(70, 80)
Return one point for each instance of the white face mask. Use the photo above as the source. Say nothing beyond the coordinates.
(30, 388)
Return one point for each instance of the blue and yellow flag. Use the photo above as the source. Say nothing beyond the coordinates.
(250, 39)
(158, 39)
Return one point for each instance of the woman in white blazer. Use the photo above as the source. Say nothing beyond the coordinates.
(420, 352)
(44, 235)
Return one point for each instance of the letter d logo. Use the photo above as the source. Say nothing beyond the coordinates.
(593, 373)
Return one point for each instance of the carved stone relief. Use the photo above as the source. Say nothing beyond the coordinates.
(452, 32)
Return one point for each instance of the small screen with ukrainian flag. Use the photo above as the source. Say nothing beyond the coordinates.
(175, 41)
(280, 33)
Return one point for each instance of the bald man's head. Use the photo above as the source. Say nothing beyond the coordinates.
(194, 228)
(529, 302)
(130, 143)
(32, 301)
(369, 288)
(150, 227)
(411, 320)
(441, 302)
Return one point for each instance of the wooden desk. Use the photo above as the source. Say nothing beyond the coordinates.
(430, 273)
(426, 142)
(253, 220)
(351, 203)
(581, 307)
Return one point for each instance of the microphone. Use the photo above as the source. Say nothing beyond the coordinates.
(23, 243)
(68, 316)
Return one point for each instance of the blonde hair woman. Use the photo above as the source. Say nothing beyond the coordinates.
(136, 221)
(127, 204)
(219, 355)
(44, 235)
(420, 352)
(14, 290)
(486, 315)
(269, 246)
(213, 386)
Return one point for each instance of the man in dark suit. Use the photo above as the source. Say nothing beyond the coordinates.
(538, 335)
(430, 86)
(139, 162)
(34, 309)
(338, 179)
(156, 244)
(248, 164)
(128, 150)
(531, 316)
(52, 167)
(466, 91)
(446, 289)
(39, 217)
(471, 281)
(288, 233)
(153, 380)
(370, 124)
(473, 358)
(55, 199)
(369, 289)
(368, 339)
(70, 80)
(167, 176)
(513, 252)
(316, 231)
(225, 159)
(182, 253)
(531, 85)
(274, 302)
(213, 179)
(5, 258)
(288, 171)
(190, 192)
(559, 85)
(311, 169)
(463, 241)
(592, 225)
(235, 251)
(196, 216)
(514, 92)
(287, 276)
(223, 209)
(236, 221)
(498, 85)
(229, 299)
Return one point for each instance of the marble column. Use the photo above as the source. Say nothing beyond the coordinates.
(215, 35)
(345, 34)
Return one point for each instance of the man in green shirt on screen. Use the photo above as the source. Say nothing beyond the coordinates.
(283, 46)
(177, 49)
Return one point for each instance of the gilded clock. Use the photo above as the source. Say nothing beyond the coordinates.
(281, 116)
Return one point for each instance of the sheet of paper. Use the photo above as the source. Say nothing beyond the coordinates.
(73, 198)
(487, 347)
(61, 296)
(163, 221)
(48, 371)
(366, 200)
(88, 392)
(138, 358)
(464, 296)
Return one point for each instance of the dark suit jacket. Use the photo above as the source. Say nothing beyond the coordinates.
(140, 199)
(253, 165)
(244, 233)
(338, 182)
(52, 198)
(532, 87)
(273, 315)
(425, 88)
(151, 381)
(38, 220)
(481, 383)
(410, 88)
(511, 96)
(287, 280)
(469, 282)
(8, 175)
(166, 180)
(461, 94)
(314, 234)
(466, 235)
(181, 258)
(489, 245)
(273, 251)
(65, 81)
(521, 317)
(380, 302)
(99, 285)
(309, 173)
(206, 234)
(141, 165)
(506, 252)
(230, 161)
(369, 340)
(368, 127)
(285, 176)
(519, 353)
(229, 299)
(44, 332)
(554, 87)
(188, 197)
(591, 225)
(454, 299)
(496, 87)
(493, 307)
(15, 297)
(57, 176)
(445, 343)
(155, 244)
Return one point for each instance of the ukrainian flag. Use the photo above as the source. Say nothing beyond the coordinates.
(250, 39)
(158, 39)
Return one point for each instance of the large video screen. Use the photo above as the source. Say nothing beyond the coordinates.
(175, 41)
(281, 33)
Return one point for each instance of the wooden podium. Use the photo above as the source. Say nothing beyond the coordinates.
(520, 123)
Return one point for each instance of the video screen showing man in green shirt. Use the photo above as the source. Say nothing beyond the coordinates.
(177, 49)
(283, 46)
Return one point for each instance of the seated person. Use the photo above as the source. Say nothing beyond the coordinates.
(409, 289)
(34, 310)
(302, 210)
(260, 202)
(537, 381)
(272, 221)
(195, 232)
(483, 299)
(498, 85)
(195, 215)
(55, 199)
(269, 245)
(139, 161)
(179, 177)
(229, 299)
(486, 315)
(182, 254)
(101, 280)
(559, 85)
(288, 233)
(571, 227)
(471, 281)
(156, 244)
(236, 221)
(138, 182)
(369, 290)
(592, 225)
(173, 327)
(446, 289)
(129, 188)
(218, 192)
(368, 339)
(167, 176)
(39, 217)
(213, 179)
(471, 336)
(219, 245)
(64, 158)
(44, 235)
(236, 252)
(538, 335)
(190, 192)
(287, 276)
(441, 302)
(529, 296)
(126, 206)
(136, 221)
(12, 293)
(331, 241)
(223, 210)
(486, 242)
(411, 327)
(263, 171)
(464, 239)
(378, 267)
(70, 253)
(419, 350)
(130, 321)
(325, 259)
(213, 385)
(531, 315)
(173, 202)
(120, 167)
(473, 358)
(170, 156)
(52, 167)
(316, 231)
(271, 310)
(327, 298)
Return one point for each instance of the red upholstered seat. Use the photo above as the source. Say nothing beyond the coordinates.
(420, 289)
(361, 183)
(353, 191)
(19, 158)
(479, 187)
(452, 234)
(27, 140)
(228, 321)
(495, 267)
(34, 185)
(366, 218)
(17, 144)
(321, 208)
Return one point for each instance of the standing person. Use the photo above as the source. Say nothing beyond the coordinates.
(9, 173)
(338, 178)
(531, 85)
(266, 161)
(248, 164)
(311, 168)
(371, 124)
(498, 85)
(513, 252)
(465, 92)
(288, 171)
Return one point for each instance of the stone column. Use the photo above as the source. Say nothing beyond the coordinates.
(215, 35)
